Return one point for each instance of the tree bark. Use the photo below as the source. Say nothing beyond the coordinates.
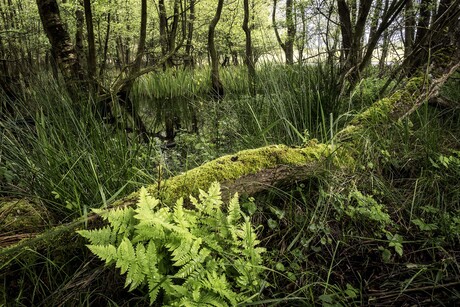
(91, 41)
(80, 19)
(142, 37)
(249, 58)
(288, 45)
(106, 46)
(409, 27)
(189, 61)
(291, 30)
(173, 33)
(61, 46)
(217, 89)
(351, 69)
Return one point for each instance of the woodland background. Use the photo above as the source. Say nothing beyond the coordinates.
(359, 206)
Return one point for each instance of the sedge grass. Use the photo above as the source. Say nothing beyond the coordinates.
(67, 156)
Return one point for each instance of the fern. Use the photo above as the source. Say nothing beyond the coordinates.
(204, 256)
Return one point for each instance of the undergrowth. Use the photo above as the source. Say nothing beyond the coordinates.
(384, 231)
(67, 156)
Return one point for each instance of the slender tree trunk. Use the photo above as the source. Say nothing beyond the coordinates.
(142, 37)
(354, 59)
(80, 20)
(424, 20)
(163, 28)
(106, 46)
(291, 30)
(375, 18)
(249, 59)
(172, 35)
(352, 36)
(288, 45)
(409, 27)
(91, 41)
(189, 62)
(385, 47)
(216, 85)
(61, 46)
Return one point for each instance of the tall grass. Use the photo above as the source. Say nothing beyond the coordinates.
(67, 156)
(293, 104)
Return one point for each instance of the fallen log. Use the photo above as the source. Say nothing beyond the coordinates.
(256, 170)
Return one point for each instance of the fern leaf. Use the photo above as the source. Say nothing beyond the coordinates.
(212, 200)
(183, 252)
(218, 284)
(101, 236)
(147, 201)
(125, 255)
(108, 253)
(121, 220)
(234, 211)
(154, 289)
(183, 219)
(137, 270)
(194, 264)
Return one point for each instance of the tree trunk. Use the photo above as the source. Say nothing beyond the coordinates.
(163, 28)
(249, 58)
(189, 62)
(288, 45)
(172, 35)
(217, 89)
(384, 55)
(80, 19)
(291, 30)
(142, 37)
(61, 46)
(352, 37)
(106, 46)
(91, 41)
(409, 27)
(354, 63)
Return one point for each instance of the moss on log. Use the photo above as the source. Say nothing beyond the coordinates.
(255, 170)
(249, 171)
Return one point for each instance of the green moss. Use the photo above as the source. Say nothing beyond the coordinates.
(22, 215)
(231, 167)
(393, 106)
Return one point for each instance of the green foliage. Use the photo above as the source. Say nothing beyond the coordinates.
(59, 152)
(195, 257)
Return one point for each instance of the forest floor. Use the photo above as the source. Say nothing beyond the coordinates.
(380, 228)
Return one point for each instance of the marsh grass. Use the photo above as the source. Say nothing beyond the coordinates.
(383, 231)
(66, 156)
(387, 233)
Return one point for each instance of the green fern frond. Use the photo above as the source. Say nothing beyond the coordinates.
(101, 236)
(194, 264)
(108, 253)
(137, 270)
(183, 218)
(199, 257)
(234, 211)
(218, 284)
(146, 201)
(185, 252)
(125, 255)
(121, 220)
(212, 199)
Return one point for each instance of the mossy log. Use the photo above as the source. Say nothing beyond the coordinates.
(255, 170)
(246, 172)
